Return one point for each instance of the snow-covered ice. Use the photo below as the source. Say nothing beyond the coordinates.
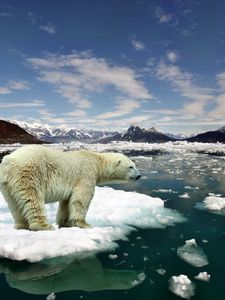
(192, 254)
(184, 196)
(112, 213)
(214, 202)
(182, 286)
(203, 276)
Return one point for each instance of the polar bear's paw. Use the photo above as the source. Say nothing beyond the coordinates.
(83, 224)
(75, 223)
(39, 226)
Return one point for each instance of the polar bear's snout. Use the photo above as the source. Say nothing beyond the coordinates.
(134, 173)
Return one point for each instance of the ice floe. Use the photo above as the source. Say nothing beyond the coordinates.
(184, 196)
(182, 286)
(112, 213)
(192, 254)
(165, 191)
(214, 203)
(203, 276)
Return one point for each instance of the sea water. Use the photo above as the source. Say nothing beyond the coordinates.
(143, 265)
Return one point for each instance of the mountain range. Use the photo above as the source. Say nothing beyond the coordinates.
(21, 132)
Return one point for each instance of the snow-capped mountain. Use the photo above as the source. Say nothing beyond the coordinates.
(138, 134)
(63, 134)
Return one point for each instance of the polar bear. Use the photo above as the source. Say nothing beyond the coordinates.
(34, 175)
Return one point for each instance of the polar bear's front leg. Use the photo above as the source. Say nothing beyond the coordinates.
(79, 204)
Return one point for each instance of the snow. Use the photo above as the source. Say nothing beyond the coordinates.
(203, 276)
(113, 214)
(182, 286)
(192, 254)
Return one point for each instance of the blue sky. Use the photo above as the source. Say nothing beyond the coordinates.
(111, 64)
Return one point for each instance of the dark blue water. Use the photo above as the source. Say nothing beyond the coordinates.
(146, 251)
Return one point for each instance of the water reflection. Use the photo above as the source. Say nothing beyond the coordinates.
(67, 274)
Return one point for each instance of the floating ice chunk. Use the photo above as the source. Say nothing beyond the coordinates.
(165, 191)
(185, 196)
(141, 278)
(113, 256)
(161, 271)
(191, 188)
(192, 254)
(51, 296)
(182, 286)
(112, 213)
(214, 202)
(203, 276)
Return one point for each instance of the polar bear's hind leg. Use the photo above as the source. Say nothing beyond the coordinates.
(32, 207)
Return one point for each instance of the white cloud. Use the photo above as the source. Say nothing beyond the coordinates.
(172, 56)
(77, 76)
(219, 111)
(162, 16)
(123, 107)
(32, 104)
(77, 113)
(14, 85)
(18, 85)
(137, 45)
(49, 28)
(4, 91)
(221, 80)
(183, 82)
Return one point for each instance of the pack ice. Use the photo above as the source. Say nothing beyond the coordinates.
(112, 214)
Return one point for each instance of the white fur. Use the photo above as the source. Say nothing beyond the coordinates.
(34, 175)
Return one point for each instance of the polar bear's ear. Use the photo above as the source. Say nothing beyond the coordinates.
(118, 162)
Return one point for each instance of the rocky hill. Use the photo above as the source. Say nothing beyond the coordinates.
(12, 133)
(213, 136)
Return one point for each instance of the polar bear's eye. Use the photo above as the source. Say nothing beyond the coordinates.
(130, 167)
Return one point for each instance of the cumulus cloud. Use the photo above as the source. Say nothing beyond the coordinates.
(78, 75)
(172, 56)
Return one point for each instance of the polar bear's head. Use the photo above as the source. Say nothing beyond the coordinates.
(122, 168)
